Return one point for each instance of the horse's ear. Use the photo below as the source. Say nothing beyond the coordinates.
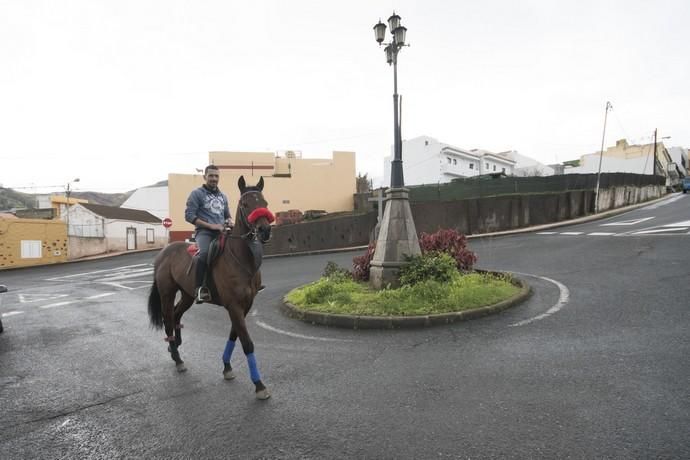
(260, 185)
(241, 184)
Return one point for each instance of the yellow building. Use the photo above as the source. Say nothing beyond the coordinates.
(26, 242)
(624, 150)
(61, 203)
(290, 182)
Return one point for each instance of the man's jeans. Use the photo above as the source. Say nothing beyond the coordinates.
(203, 240)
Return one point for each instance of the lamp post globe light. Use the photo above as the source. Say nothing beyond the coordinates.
(397, 237)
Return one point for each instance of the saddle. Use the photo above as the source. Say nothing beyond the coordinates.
(215, 248)
(218, 245)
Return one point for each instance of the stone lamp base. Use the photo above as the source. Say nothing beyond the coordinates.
(397, 238)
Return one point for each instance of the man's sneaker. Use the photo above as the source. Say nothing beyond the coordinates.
(261, 288)
(203, 295)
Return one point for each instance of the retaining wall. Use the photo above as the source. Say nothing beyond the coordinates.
(471, 216)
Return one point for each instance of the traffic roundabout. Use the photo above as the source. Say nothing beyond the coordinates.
(352, 321)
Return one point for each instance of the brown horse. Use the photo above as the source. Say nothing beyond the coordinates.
(234, 280)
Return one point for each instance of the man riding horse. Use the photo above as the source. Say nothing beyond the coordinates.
(235, 271)
(208, 210)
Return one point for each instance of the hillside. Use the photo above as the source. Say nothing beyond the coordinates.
(11, 199)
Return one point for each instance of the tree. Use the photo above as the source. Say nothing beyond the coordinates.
(363, 183)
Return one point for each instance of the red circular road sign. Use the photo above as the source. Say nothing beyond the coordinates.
(167, 222)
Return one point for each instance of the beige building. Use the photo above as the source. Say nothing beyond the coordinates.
(290, 182)
(624, 157)
(26, 242)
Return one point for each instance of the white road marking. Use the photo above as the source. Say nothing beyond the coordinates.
(546, 233)
(661, 230)
(663, 203)
(628, 222)
(563, 299)
(65, 423)
(98, 296)
(28, 298)
(60, 278)
(122, 286)
(685, 223)
(572, 233)
(12, 313)
(134, 274)
(298, 336)
(58, 304)
(601, 233)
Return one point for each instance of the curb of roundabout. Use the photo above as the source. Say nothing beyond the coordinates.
(405, 322)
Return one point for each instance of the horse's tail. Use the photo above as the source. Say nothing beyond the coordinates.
(155, 312)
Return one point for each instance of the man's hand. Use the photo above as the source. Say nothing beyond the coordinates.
(218, 227)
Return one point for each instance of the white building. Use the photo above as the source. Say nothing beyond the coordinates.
(589, 164)
(679, 155)
(428, 161)
(97, 229)
(151, 199)
(526, 166)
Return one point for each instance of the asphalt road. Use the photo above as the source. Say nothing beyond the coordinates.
(594, 365)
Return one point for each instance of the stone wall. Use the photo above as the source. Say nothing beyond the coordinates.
(83, 246)
(471, 216)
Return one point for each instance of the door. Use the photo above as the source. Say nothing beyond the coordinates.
(131, 238)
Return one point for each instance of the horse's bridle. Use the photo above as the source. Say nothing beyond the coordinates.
(251, 235)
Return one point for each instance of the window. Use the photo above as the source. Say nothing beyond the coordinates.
(455, 161)
(494, 167)
(150, 236)
(503, 170)
(31, 249)
(486, 165)
(286, 201)
(471, 165)
(448, 158)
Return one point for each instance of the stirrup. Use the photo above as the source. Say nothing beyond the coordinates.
(202, 294)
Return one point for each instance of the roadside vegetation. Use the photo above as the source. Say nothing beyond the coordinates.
(441, 280)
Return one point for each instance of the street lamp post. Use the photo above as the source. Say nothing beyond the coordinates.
(397, 236)
(68, 192)
(601, 155)
(654, 169)
(398, 41)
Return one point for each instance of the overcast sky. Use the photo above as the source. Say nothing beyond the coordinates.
(120, 93)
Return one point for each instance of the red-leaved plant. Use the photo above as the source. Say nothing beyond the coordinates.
(361, 264)
(448, 241)
(452, 243)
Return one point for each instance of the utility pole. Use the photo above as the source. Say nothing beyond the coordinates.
(654, 169)
(601, 154)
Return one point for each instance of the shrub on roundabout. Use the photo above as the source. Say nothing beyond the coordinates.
(438, 281)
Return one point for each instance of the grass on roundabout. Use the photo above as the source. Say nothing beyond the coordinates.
(341, 295)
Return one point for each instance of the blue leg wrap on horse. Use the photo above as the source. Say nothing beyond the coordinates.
(253, 370)
(227, 354)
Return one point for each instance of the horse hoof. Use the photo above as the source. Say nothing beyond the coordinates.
(228, 375)
(180, 367)
(263, 394)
